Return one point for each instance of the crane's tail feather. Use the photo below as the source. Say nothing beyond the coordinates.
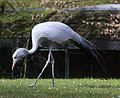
(90, 49)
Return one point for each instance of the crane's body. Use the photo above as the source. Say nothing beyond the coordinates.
(54, 32)
(49, 33)
(58, 32)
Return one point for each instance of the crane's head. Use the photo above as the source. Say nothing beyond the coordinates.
(18, 55)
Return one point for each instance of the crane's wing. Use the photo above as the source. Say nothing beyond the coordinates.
(91, 50)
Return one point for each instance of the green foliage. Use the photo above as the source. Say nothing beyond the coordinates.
(16, 22)
(23, 3)
(13, 24)
(56, 3)
(70, 88)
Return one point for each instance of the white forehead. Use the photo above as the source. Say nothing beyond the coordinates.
(18, 52)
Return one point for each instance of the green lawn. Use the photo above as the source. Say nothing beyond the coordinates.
(64, 88)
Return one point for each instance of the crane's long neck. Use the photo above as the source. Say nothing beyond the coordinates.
(33, 49)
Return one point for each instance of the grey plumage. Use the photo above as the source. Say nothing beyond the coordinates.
(56, 32)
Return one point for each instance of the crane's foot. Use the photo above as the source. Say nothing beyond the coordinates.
(32, 85)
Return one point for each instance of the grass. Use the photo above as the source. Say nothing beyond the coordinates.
(65, 88)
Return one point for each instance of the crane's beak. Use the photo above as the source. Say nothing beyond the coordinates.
(14, 62)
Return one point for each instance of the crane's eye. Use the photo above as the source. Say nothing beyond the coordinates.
(15, 57)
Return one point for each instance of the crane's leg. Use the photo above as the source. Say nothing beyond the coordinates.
(52, 62)
(47, 62)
